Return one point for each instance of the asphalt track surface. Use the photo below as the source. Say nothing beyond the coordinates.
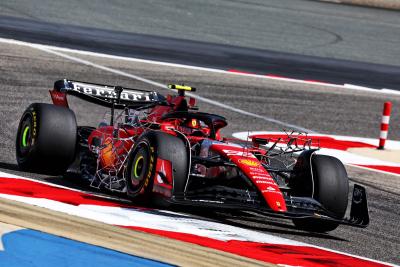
(27, 74)
(298, 39)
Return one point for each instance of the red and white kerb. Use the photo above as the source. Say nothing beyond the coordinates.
(387, 108)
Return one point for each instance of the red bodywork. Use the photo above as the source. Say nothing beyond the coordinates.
(244, 160)
(253, 169)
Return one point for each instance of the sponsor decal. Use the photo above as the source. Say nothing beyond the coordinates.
(270, 188)
(34, 123)
(151, 166)
(264, 182)
(108, 92)
(260, 173)
(272, 181)
(249, 162)
(262, 177)
(240, 153)
(257, 170)
(34, 130)
(59, 98)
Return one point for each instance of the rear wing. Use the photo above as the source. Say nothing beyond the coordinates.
(105, 95)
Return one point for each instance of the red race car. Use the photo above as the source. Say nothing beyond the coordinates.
(161, 148)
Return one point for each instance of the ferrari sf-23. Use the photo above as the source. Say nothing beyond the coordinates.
(162, 149)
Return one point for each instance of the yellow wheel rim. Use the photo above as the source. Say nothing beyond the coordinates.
(135, 168)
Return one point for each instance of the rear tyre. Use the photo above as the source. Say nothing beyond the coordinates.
(46, 139)
(141, 169)
(329, 185)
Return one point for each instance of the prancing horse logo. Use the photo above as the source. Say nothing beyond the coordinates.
(357, 195)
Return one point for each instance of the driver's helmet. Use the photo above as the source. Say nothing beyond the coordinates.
(191, 126)
(192, 123)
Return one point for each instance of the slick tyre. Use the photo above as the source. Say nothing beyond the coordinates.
(46, 139)
(141, 169)
(330, 187)
(142, 165)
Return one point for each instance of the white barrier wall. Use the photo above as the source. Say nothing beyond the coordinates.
(390, 4)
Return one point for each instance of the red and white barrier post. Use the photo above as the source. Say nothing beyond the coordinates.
(387, 108)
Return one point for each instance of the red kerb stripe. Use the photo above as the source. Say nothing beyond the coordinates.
(272, 253)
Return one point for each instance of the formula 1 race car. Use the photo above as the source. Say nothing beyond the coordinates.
(161, 148)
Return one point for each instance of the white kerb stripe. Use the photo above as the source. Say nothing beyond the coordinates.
(383, 135)
(385, 119)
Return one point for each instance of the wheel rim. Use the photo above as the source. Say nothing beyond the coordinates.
(25, 136)
(139, 169)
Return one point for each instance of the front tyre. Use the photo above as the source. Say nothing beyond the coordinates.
(141, 169)
(46, 139)
(329, 185)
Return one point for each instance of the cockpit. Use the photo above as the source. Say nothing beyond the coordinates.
(199, 124)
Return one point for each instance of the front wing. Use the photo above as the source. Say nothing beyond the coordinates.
(298, 207)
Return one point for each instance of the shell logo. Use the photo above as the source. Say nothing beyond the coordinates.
(249, 162)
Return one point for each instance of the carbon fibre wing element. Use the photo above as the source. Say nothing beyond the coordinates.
(104, 95)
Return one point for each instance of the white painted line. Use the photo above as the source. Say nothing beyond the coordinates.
(160, 85)
(360, 88)
(121, 58)
(132, 59)
(390, 91)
